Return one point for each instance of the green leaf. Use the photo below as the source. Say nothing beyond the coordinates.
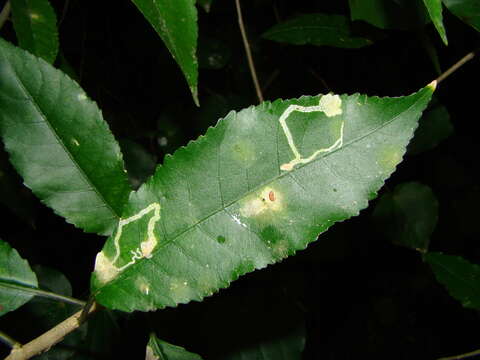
(434, 127)
(161, 350)
(460, 277)
(408, 215)
(316, 29)
(289, 347)
(15, 273)
(175, 21)
(35, 24)
(59, 142)
(390, 14)
(434, 8)
(467, 10)
(256, 188)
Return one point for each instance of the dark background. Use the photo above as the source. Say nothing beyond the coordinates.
(357, 294)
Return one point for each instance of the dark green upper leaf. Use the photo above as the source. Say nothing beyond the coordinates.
(256, 188)
(408, 215)
(161, 350)
(390, 14)
(175, 21)
(35, 24)
(316, 29)
(460, 277)
(434, 8)
(59, 142)
(467, 10)
(14, 271)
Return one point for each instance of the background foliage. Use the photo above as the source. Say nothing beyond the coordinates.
(352, 293)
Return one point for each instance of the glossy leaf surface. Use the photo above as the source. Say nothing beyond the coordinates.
(316, 29)
(59, 142)
(35, 24)
(434, 8)
(161, 350)
(175, 21)
(255, 189)
(467, 10)
(408, 215)
(459, 276)
(15, 273)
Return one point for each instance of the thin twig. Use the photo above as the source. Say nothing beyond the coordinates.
(49, 338)
(251, 65)
(5, 13)
(456, 66)
(45, 294)
(9, 341)
(462, 356)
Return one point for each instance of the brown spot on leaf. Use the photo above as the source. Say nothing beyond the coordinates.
(271, 196)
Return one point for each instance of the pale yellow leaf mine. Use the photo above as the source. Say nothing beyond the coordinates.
(267, 200)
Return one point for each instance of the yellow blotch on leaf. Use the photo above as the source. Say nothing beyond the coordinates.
(267, 200)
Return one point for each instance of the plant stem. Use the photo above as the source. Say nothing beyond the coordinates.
(45, 294)
(456, 66)
(5, 13)
(49, 338)
(7, 340)
(251, 65)
(462, 356)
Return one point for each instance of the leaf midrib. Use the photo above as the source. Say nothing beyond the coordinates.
(59, 140)
(162, 244)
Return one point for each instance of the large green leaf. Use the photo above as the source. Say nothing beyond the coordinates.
(59, 142)
(15, 273)
(256, 188)
(434, 8)
(390, 14)
(460, 277)
(35, 24)
(316, 29)
(175, 21)
(161, 350)
(467, 10)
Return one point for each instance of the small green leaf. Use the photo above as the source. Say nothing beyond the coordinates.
(460, 277)
(316, 29)
(35, 24)
(161, 350)
(259, 186)
(390, 14)
(59, 142)
(289, 347)
(434, 127)
(14, 271)
(467, 10)
(175, 21)
(408, 215)
(434, 8)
